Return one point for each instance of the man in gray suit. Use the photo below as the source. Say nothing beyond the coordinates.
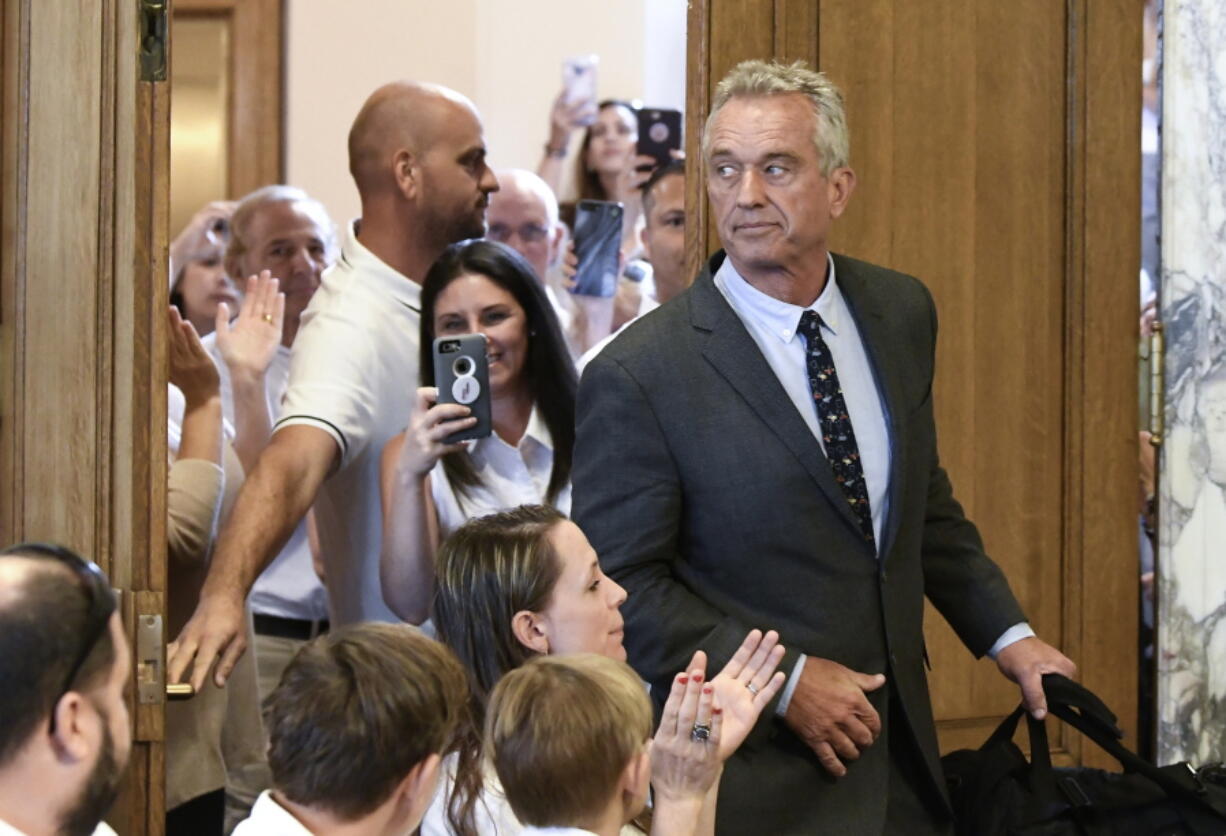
(761, 452)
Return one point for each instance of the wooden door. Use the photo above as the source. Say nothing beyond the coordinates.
(995, 145)
(82, 309)
(237, 48)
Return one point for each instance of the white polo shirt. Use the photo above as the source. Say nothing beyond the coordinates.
(353, 374)
(268, 818)
(289, 587)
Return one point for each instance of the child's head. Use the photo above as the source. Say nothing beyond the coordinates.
(361, 714)
(568, 736)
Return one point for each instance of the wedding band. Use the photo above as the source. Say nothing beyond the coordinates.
(753, 689)
(701, 733)
(267, 318)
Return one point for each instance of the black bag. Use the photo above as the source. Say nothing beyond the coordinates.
(994, 790)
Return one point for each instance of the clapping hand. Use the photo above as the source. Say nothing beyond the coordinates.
(685, 753)
(249, 343)
(191, 368)
(745, 686)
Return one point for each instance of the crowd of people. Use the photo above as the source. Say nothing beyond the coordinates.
(690, 474)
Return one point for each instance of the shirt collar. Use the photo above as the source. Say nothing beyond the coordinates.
(537, 431)
(356, 258)
(778, 317)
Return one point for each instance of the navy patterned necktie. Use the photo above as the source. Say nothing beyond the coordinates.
(837, 434)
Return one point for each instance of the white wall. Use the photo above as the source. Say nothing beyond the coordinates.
(507, 56)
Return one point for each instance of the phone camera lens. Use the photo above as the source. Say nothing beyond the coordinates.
(463, 366)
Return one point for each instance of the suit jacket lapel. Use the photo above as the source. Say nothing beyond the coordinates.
(878, 342)
(734, 354)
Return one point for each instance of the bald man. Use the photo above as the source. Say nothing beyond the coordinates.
(524, 216)
(417, 155)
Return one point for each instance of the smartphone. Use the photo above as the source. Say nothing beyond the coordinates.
(598, 238)
(462, 375)
(579, 80)
(659, 133)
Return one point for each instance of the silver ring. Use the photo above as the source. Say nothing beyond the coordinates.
(701, 733)
(753, 689)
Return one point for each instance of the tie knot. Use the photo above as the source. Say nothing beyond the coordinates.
(810, 322)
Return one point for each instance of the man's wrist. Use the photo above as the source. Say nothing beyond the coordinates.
(789, 687)
(1014, 634)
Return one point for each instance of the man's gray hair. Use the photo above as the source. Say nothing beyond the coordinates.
(769, 78)
(261, 197)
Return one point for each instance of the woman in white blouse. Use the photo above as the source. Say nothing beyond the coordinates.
(430, 488)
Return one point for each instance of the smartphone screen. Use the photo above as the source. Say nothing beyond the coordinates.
(659, 133)
(579, 80)
(598, 236)
(461, 373)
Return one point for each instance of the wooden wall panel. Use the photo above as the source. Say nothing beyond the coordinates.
(986, 140)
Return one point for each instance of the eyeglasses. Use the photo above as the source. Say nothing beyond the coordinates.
(528, 233)
(101, 603)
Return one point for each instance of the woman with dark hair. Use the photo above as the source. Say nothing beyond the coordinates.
(199, 284)
(607, 167)
(525, 583)
(429, 487)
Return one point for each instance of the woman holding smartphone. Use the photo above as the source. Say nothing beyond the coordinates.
(430, 487)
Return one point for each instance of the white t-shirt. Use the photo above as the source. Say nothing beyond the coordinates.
(510, 476)
(353, 374)
(289, 587)
(268, 818)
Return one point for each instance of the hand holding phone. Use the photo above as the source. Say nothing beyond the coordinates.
(461, 373)
(598, 235)
(659, 133)
(579, 85)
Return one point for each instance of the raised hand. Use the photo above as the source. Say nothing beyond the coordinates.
(191, 368)
(745, 686)
(249, 343)
(684, 764)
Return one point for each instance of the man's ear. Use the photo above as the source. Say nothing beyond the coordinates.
(841, 183)
(528, 628)
(556, 238)
(74, 739)
(635, 782)
(416, 791)
(407, 173)
(645, 239)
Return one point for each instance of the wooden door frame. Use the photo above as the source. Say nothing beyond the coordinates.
(83, 264)
(256, 137)
(1099, 583)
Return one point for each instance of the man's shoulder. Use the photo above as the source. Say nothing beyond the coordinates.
(665, 328)
(882, 279)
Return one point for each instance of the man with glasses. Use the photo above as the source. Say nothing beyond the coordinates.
(523, 214)
(65, 734)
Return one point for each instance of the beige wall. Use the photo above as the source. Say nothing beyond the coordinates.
(506, 56)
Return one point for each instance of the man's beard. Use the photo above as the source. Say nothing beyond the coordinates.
(443, 230)
(99, 791)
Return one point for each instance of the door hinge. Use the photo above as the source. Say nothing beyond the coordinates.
(153, 36)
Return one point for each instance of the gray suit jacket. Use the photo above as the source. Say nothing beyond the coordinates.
(708, 498)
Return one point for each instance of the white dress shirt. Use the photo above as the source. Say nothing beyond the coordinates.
(773, 325)
(268, 818)
(511, 475)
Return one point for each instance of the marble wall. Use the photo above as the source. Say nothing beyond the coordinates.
(1191, 650)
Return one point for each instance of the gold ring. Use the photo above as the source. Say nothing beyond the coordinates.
(267, 318)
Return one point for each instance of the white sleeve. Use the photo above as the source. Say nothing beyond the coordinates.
(329, 381)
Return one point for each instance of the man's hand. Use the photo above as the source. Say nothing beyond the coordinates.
(830, 712)
(215, 629)
(1025, 661)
